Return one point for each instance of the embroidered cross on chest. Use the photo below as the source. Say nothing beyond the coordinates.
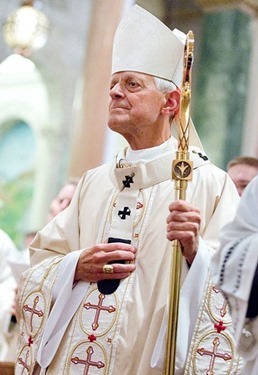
(128, 181)
(213, 354)
(122, 214)
(87, 362)
(24, 363)
(99, 307)
(33, 311)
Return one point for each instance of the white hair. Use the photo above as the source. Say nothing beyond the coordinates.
(163, 85)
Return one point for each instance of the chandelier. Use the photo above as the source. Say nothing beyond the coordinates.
(26, 29)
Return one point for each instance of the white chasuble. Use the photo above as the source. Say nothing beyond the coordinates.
(118, 333)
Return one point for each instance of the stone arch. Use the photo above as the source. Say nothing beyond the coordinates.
(24, 98)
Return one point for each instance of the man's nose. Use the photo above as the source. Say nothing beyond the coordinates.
(116, 92)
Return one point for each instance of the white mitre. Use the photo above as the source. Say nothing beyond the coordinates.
(144, 44)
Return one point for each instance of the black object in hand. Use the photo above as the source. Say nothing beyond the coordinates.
(110, 286)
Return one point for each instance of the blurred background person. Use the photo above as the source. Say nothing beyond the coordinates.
(242, 170)
(58, 204)
(63, 199)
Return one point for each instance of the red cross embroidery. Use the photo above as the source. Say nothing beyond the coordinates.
(219, 326)
(92, 338)
(99, 308)
(214, 354)
(87, 362)
(30, 341)
(24, 363)
(33, 311)
(223, 309)
(139, 205)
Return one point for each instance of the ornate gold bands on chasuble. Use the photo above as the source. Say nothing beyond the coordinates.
(35, 302)
(213, 348)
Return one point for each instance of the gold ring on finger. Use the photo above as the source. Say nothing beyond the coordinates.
(108, 268)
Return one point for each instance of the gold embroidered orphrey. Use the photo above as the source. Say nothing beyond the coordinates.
(35, 308)
(213, 347)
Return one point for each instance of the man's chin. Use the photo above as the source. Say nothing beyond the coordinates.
(115, 123)
(116, 129)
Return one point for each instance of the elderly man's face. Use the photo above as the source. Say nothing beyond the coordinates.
(135, 106)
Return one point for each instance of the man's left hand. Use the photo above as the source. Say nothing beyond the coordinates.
(183, 224)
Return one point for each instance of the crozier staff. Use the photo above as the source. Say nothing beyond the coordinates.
(181, 173)
(119, 226)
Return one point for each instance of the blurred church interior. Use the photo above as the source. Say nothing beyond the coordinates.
(55, 61)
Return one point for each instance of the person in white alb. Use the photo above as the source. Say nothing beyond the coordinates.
(95, 299)
(235, 272)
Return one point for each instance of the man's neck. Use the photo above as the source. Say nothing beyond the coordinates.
(147, 154)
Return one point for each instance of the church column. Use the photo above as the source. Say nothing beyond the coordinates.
(222, 84)
(91, 127)
(250, 136)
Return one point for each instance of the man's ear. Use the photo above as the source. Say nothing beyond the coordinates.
(172, 102)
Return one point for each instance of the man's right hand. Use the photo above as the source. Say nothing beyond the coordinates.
(91, 261)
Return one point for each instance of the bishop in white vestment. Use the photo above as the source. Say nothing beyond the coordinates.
(76, 317)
